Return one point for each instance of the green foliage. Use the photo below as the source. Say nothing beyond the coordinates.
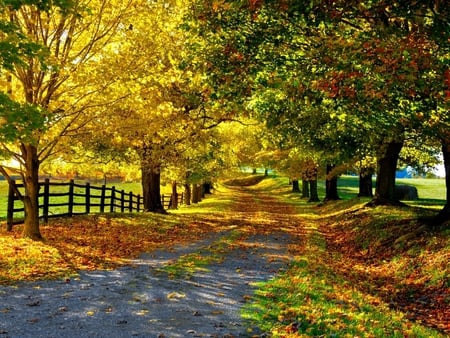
(342, 78)
(42, 5)
(20, 121)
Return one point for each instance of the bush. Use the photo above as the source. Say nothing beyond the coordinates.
(406, 193)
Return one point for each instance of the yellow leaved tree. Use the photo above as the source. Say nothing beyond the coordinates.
(64, 81)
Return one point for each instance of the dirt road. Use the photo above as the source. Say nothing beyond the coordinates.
(143, 299)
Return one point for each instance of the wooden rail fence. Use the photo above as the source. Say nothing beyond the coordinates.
(77, 199)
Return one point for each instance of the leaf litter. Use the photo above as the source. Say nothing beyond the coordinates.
(197, 274)
(117, 293)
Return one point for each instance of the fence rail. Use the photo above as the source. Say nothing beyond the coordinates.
(77, 199)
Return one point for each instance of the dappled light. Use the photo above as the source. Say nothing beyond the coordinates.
(336, 267)
(288, 164)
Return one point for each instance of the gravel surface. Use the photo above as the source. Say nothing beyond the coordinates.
(138, 300)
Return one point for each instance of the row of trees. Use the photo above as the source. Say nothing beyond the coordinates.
(101, 81)
(344, 83)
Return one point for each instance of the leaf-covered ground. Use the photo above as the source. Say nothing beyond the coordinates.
(356, 271)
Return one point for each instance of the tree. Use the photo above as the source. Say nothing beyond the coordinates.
(364, 69)
(71, 39)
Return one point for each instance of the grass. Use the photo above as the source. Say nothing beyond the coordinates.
(430, 190)
(186, 265)
(359, 274)
(134, 187)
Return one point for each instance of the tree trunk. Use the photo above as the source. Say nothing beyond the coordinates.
(199, 191)
(314, 196)
(187, 194)
(386, 169)
(207, 188)
(174, 198)
(305, 189)
(30, 199)
(295, 186)
(196, 193)
(365, 185)
(151, 191)
(331, 192)
(202, 191)
(444, 214)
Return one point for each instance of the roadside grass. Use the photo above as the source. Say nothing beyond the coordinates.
(186, 265)
(310, 300)
(366, 272)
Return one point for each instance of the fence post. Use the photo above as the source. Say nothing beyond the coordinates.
(122, 200)
(88, 198)
(70, 203)
(130, 202)
(46, 200)
(113, 198)
(10, 210)
(102, 199)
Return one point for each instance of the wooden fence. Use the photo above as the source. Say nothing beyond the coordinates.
(77, 199)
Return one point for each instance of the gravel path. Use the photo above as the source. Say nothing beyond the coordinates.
(138, 300)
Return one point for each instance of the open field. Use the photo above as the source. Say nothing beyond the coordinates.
(431, 191)
(134, 187)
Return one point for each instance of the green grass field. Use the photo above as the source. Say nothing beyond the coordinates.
(134, 187)
(429, 189)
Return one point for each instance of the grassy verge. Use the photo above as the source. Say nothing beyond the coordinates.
(358, 272)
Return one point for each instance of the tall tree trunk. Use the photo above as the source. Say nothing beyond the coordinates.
(314, 196)
(331, 192)
(196, 193)
(365, 184)
(305, 188)
(444, 214)
(295, 186)
(174, 196)
(386, 169)
(30, 199)
(151, 190)
(187, 194)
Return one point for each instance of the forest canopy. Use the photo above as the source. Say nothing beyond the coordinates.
(192, 88)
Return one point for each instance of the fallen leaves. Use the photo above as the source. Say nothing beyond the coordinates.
(350, 267)
(175, 295)
(90, 243)
(395, 258)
